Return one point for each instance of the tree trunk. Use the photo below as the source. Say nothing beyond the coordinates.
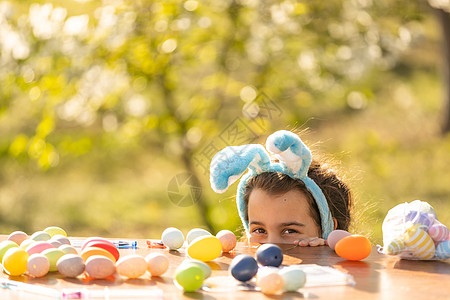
(444, 20)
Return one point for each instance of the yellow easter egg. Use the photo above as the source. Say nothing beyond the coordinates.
(395, 247)
(205, 248)
(54, 230)
(15, 261)
(420, 243)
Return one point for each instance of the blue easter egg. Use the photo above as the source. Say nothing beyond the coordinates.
(243, 267)
(269, 255)
(417, 217)
(443, 250)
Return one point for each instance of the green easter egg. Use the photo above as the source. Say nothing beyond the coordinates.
(204, 266)
(53, 230)
(5, 246)
(15, 261)
(26, 243)
(40, 236)
(53, 255)
(189, 277)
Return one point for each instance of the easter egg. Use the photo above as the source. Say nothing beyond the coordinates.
(131, 266)
(419, 242)
(394, 247)
(189, 277)
(18, 237)
(95, 239)
(335, 236)
(243, 267)
(422, 206)
(38, 247)
(157, 263)
(443, 250)
(90, 251)
(5, 246)
(269, 255)
(53, 230)
(53, 255)
(70, 265)
(206, 269)
(68, 249)
(26, 243)
(438, 231)
(423, 219)
(40, 236)
(15, 261)
(195, 233)
(61, 238)
(353, 247)
(110, 247)
(227, 239)
(294, 278)
(55, 244)
(269, 281)
(38, 265)
(173, 238)
(99, 266)
(205, 248)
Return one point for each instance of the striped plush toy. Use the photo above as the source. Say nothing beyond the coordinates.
(412, 231)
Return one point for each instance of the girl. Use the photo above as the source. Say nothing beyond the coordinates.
(289, 200)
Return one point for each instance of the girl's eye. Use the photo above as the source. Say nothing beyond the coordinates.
(290, 231)
(258, 230)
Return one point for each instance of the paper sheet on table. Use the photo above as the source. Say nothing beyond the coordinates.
(315, 276)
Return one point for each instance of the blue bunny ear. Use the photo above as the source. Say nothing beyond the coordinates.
(290, 150)
(230, 163)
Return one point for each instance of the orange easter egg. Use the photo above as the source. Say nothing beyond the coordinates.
(353, 247)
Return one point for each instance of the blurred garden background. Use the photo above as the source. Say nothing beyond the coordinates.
(110, 111)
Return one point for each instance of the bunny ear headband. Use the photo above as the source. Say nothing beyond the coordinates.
(294, 157)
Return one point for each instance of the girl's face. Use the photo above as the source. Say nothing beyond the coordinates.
(280, 219)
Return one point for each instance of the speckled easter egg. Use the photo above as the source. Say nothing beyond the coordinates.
(15, 261)
(335, 236)
(18, 237)
(38, 265)
(61, 238)
(5, 246)
(269, 255)
(269, 281)
(90, 251)
(108, 246)
(157, 263)
(68, 249)
(38, 247)
(419, 242)
(53, 255)
(394, 247)
(206, 269)
(98, 266)
(173, 238)
(195, 233)
(443, 250)
(294, 278)
(189, 277)
(243, 267)
(438, 231)
(40, 236)
(54, 230)
(131, 266)
(26, 243)
(70, 265)
(353, 247)
(205, 248)
(227, 239)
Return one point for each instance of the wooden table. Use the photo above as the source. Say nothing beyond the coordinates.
(376, 277)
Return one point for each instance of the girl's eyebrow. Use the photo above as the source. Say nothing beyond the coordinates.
(256, 223)
(292, 223)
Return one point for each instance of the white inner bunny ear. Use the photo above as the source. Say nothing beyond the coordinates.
(291, 160)
(230, 163)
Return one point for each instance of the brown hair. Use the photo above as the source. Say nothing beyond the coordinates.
(336, 192)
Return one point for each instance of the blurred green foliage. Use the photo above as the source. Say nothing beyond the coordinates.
(103, 103)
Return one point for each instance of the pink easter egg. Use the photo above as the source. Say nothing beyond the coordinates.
(438, 232)
(227, 239)
(335, 236)
(38, 247)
